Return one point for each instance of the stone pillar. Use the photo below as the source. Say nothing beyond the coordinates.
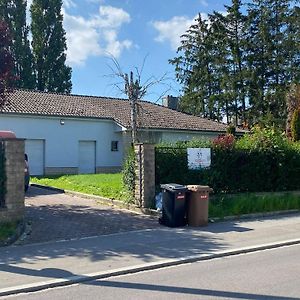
(145, 175)
(14, 206)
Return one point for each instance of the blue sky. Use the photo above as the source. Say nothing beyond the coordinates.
(130, 30)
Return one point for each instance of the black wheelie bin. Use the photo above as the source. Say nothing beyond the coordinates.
(173, 205)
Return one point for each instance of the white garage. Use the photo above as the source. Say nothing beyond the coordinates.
(87, 157)
(35, 150)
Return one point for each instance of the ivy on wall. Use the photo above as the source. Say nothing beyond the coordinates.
(2, 174)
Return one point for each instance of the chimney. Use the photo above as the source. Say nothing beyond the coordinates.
(170, 102)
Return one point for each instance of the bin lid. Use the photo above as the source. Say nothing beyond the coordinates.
(174, 187)
(199, 188)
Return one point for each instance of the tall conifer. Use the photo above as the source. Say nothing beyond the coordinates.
(13, 12)
(49, 46)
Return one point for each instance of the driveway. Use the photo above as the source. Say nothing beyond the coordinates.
(57, 216)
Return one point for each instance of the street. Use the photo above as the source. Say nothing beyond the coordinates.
(268, 274)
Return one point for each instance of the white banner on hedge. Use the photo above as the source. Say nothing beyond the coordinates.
(198, 158)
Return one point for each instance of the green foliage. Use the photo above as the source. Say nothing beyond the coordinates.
(2, 174)
(128, 173)
(292, 104)
(7, 230)
(105, 185)
(14, 14)
(49, 46)
(241, 204)
(6, 63)
(231, 129)
(239, 65)
(261, 161)
(263, 139)
(295, 125)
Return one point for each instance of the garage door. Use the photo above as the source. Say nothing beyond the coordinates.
(87, 157)
(35, 150)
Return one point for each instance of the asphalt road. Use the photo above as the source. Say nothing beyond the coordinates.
(269, 274)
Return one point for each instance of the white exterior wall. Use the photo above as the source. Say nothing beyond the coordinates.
(62, 141)
(169, 136)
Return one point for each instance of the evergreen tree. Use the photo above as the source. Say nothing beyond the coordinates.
(6, 63)
(241, 66)
(13, 12)
(235, 24)
(49, 46)
(270, 57)
(193, 69)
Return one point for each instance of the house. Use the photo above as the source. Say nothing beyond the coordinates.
(70, 134)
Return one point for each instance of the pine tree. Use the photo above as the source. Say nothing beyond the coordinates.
(13, 12)
(6, 63)
(241, 66)
(49, 46)
(269, 57)
(235, 24)
(193, 70)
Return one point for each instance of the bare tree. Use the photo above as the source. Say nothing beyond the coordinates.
(135, 90)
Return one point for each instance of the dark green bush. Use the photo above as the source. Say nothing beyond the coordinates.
(128, 173)
(2, 174)
(261, 161)
(295, 125)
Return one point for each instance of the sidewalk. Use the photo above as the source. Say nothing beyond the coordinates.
(37, 266)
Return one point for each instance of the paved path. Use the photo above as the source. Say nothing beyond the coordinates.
(37, 266)
(57, 216)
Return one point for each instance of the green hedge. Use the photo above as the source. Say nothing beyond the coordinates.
(2, 174)
(263, 161)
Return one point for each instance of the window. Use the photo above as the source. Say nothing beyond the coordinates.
(114, 146)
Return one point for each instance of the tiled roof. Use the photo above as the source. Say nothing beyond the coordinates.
(150, 115)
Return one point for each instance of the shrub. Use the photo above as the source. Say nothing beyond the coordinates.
(231, 129)
(295, 125)
(128, 173)
(261, 161)
(2, 174)
(225, 142)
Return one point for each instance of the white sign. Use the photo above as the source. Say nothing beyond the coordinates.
(198, 158)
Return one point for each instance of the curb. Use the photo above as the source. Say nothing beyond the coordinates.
(138, 268)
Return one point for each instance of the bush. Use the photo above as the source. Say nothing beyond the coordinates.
(261, 161)
(2, 174)
(128, 173)
(295, 125)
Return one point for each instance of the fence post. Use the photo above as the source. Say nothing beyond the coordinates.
(145, 175)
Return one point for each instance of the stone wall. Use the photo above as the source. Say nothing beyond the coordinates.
(145, 175)
(14, 206)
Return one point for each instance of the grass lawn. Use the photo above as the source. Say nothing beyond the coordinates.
(111, 186)
(7, 230)
(105, 185)
(248, 203)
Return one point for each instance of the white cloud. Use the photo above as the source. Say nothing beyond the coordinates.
(171, 30)
(203, 2)
(69, 3)
(95, 36)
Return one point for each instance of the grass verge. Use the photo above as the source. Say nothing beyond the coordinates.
(7, 230)
(220, 206)
(105, 185)
(249, 203)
